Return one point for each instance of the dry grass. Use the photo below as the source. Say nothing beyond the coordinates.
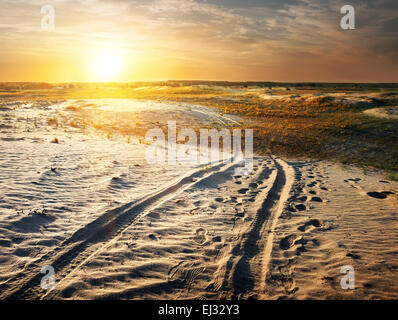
(393, 176)
(321, 128)
(317, 128)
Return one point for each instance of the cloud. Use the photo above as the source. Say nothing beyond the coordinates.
(242, 37)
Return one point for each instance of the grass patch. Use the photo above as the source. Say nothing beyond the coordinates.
(317, 127)
(393, 176)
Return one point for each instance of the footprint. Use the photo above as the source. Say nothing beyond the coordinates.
(253, 185)
(152, 237)
(243, 190)
(303, 198)
(288, 242)
(200, 235)
(354, 256)
(180, 202)
(316, 199)
(316, 242)
(291, 208)
(377, 195)
(240, 212)
(301, 249)
(313, 222)
(300, 207)
(330, 281)
(219, 199)
(387, 192)
(312, 192)
(238, 182)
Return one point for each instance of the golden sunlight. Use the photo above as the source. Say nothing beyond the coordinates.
(107, 65)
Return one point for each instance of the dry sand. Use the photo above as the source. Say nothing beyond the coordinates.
(384, 113)
(282, 232)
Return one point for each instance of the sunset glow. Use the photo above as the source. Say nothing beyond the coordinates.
(106, 66)
(205, 40)
(204, 152)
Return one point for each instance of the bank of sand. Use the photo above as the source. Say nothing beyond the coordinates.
(283, 231)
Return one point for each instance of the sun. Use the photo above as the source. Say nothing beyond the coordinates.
(106, 65)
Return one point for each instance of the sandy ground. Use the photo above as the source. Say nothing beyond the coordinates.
(118, 228)
(283, 232)
(385, 113)
(354, 99)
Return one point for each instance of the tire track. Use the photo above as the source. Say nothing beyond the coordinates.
(244, 273)
(94, 237)
(224, 120)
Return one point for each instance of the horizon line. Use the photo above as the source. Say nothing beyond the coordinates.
(192, 80)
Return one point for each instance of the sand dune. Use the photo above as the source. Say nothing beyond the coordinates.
(385, 113)
(121, 229)
(283, 232)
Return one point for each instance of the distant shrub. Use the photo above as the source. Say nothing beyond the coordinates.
(73, 108)
(52, 121)
(393, 176)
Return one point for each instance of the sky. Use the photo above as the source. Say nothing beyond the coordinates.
(234, 40)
